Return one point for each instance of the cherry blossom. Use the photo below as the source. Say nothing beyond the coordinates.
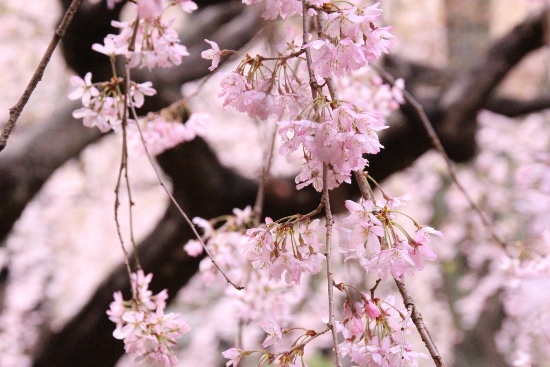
(85, 90)
(274, 332)
(213, 54)
(147, 332)
(376, 337)
(149, 9)
(187, 6)
(234, 355)
(276, 248)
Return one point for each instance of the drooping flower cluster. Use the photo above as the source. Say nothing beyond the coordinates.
(156, 44)
(332, 135)
(328, 131)
(147, 331)
(227, 244)
(104, 104)
(290, 248)
(369, 92)
(373, 332)
(340, 141)
(148, 41)
(358, 40)
(380, 244)
(105, 107)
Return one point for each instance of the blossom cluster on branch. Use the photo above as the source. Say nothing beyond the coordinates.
(148, 41)
(147, 331)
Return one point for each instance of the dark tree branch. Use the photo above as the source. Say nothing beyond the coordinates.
(27, 164)
(514, 108)
(470, 91)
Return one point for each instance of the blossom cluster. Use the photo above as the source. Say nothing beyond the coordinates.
(340, 141)
(155, 44)
(292, 249)
(332, 135)
(224, 239)
(226, 242)
(147, 331)
(292, 357)
(358, 41)
(264, 300)
(148, 42)
(380, 244)
(105, 106)
(328, 131)
(373, 332)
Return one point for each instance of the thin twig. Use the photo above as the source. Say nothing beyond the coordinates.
(16, 110)
(407, 299)
(330, 282)
(439, 147)
(161, 181)
(326, 198)
(259, 203)
(419, 323)
(305, 27)
(126, 178)
(122, 167)
(374, 288)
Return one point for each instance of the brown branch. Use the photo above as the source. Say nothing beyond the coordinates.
(27, 164)
(16, 110)
(419, 323)
(471, 90)
(514, 108)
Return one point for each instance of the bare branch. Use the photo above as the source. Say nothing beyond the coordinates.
(16, 110)
(419, 323)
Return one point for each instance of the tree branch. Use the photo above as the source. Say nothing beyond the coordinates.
(16, 110)
(471, 90)
(514, 108)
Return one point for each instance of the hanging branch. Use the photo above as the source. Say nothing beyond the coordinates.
(16, 110)
(407, 298)
(419, 323)
(439, 147)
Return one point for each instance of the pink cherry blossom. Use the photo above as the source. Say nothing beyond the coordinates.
(139, 91)
(274, 332)
(148, 332)
(213, 54)
(187, 6)
(84, 89)
(394, 261)
(234, 355)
